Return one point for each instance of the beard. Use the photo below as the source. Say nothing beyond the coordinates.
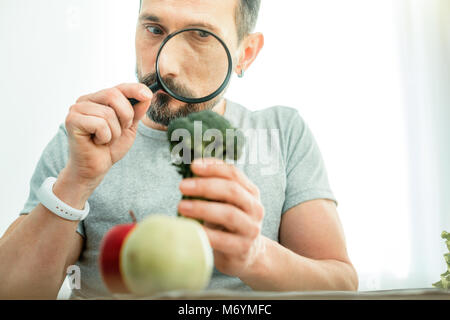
(164, 108)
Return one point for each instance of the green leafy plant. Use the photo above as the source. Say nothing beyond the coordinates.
(444, 283)
(201, 135)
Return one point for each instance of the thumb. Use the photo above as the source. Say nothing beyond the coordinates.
(140, 110)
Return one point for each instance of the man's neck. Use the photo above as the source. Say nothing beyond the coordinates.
(219, 108)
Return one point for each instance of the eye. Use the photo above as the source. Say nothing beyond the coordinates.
(203, 34)
(155, 30)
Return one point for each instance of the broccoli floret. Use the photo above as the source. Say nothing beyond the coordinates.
(202, 134)
(445, 277)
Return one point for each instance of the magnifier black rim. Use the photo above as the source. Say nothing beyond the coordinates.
(208, 97)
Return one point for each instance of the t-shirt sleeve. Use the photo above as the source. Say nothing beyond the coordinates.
(306, 175)
(53, 159)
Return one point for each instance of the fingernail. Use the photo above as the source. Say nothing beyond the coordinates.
(145, 93)
(188, 184)
(185, 205)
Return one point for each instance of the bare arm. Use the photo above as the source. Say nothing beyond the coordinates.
(311, 254)
(37, 249)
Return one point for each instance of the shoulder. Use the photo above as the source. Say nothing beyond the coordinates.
(62, 130)
(56, 151)
(60, 139)
(279, 117)
(283, 116)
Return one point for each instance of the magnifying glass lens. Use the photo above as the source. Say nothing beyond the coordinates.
(193, 65)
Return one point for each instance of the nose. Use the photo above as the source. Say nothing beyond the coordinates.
(169, 60)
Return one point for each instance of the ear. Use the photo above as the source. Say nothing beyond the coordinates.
(251, 47)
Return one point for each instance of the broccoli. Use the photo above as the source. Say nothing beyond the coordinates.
(445, 277)
(203, 134)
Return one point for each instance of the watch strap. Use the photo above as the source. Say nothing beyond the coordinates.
(54, 204)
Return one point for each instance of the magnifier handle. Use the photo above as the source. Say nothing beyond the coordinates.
(154, 87)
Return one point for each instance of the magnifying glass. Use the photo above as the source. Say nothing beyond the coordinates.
(193, 66)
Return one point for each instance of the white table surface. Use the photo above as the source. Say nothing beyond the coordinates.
(406, 294)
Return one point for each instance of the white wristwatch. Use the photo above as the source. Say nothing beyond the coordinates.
(51, 202)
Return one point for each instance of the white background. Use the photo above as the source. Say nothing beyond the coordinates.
(349, 66)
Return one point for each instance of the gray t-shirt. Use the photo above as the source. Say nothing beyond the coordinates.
(281, 157)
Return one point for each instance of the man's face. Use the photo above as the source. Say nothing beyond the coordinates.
(158, 19)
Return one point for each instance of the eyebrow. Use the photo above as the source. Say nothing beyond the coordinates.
(203, 24)
(149, 17)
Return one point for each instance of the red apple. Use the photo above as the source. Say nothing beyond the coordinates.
(109, 260)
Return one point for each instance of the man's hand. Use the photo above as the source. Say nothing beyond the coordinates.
(233, 218)
(102, 128)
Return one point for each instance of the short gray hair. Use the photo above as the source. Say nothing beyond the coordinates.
(246, 16)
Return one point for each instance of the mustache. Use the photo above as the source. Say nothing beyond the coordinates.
(170, 83)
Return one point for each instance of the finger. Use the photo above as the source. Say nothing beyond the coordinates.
(219, 190)
(101, 111)
(219, 214)
(226, 242)
(90, 125)
(212, 167)
(214, 226)
(117, 98)
(139, 92)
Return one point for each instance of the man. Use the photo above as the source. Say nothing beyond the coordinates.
(273, 230)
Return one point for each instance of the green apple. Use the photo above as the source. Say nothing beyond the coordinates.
(166, 253)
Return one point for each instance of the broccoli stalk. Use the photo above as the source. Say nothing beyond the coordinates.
(202, 134)
(445, 277)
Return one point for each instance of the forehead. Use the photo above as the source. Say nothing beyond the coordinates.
(179, 14)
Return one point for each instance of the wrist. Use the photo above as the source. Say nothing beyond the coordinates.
(72, 190)
(259, 266)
